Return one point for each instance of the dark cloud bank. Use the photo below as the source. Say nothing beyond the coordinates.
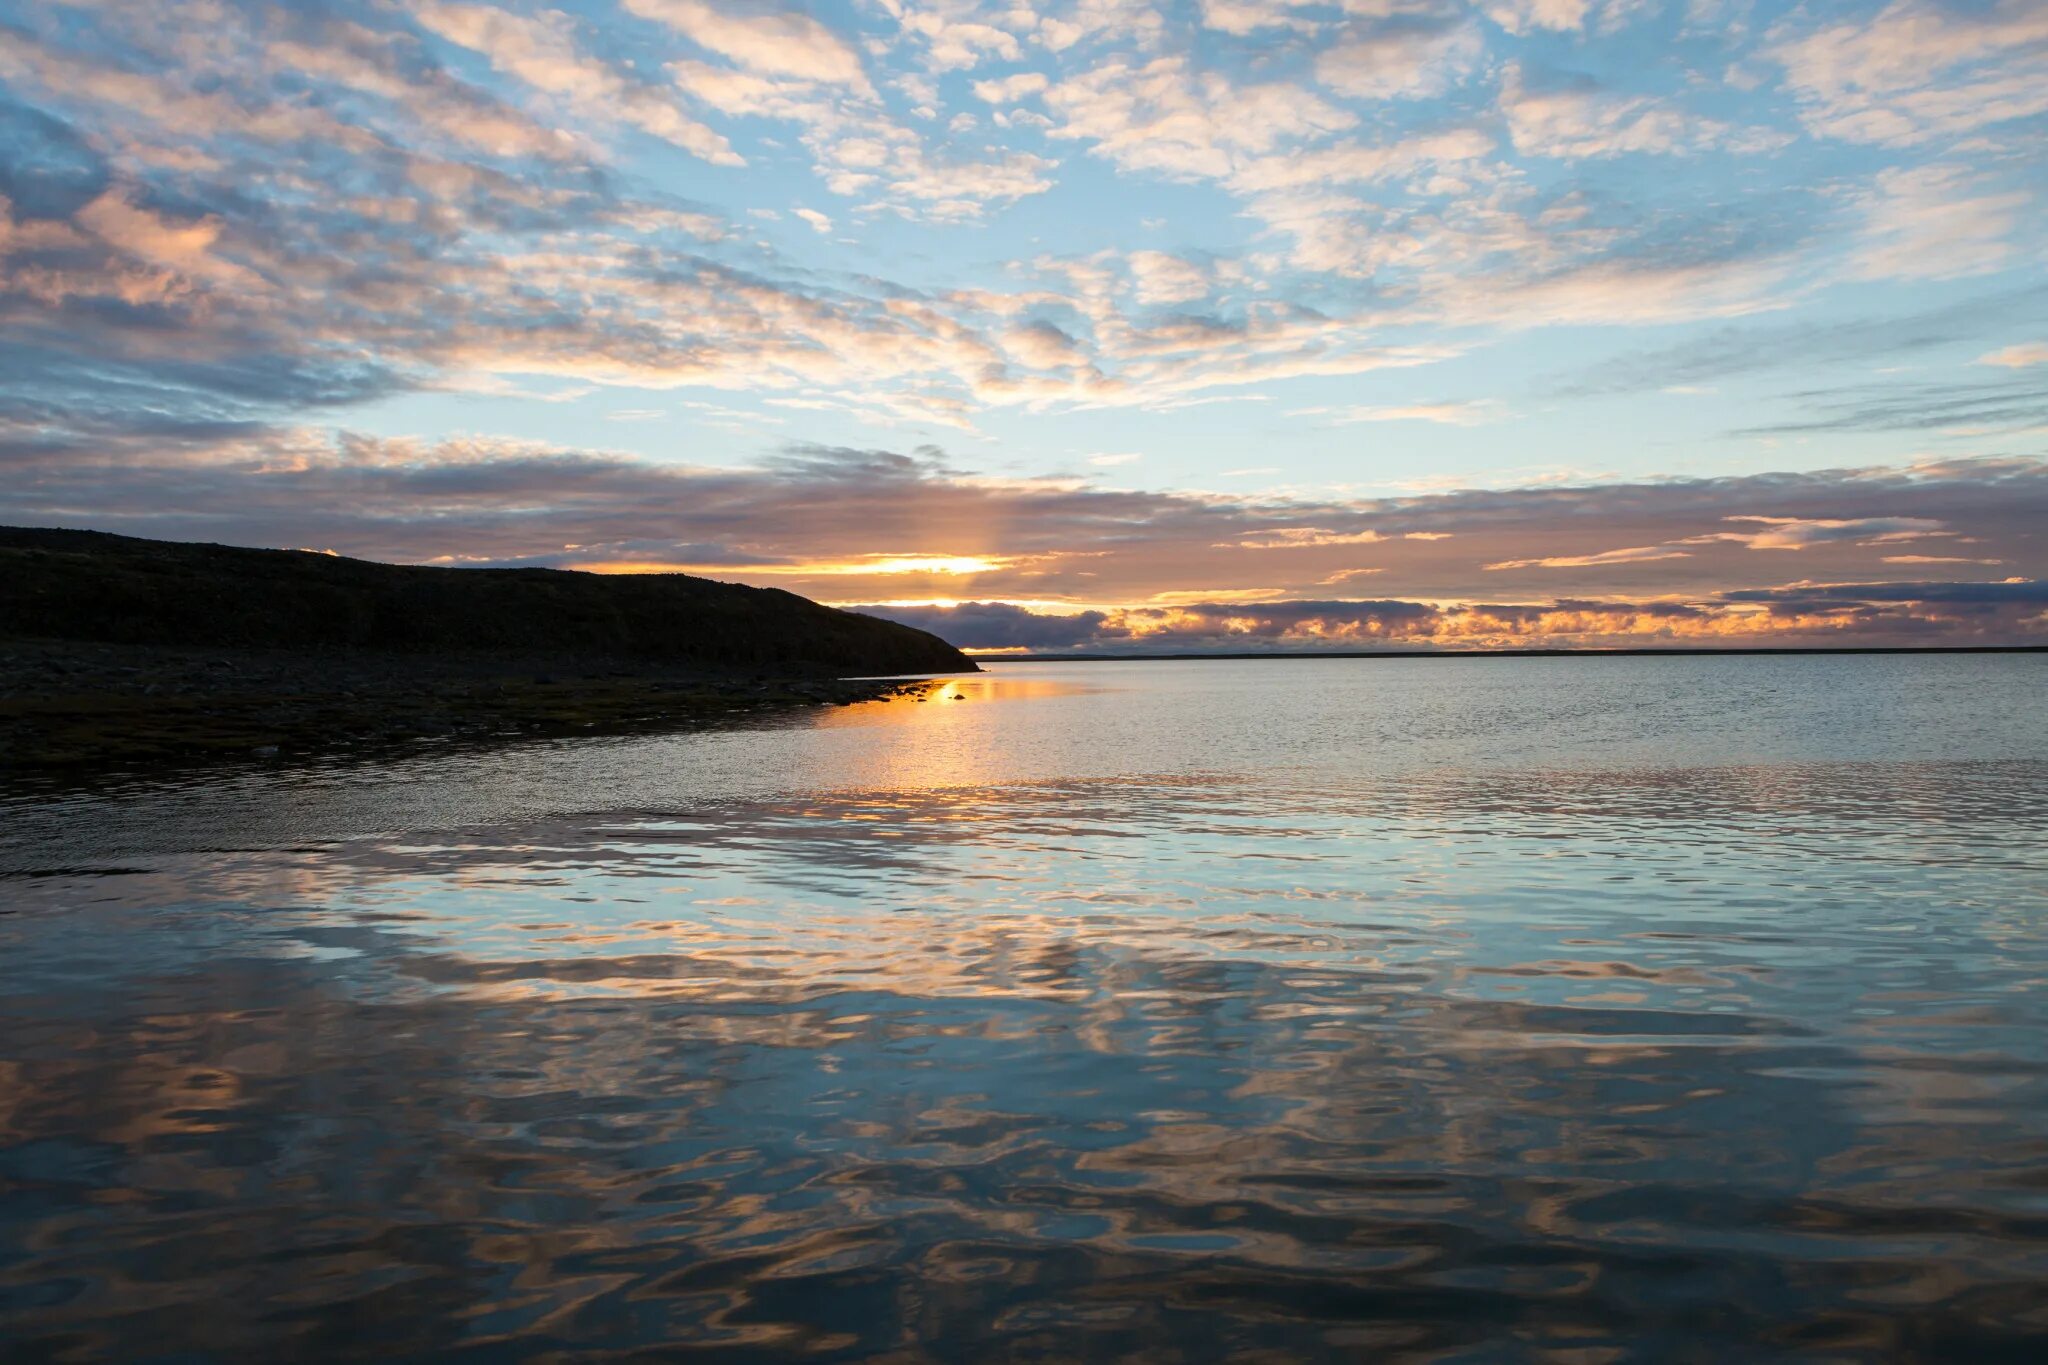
(1935, 554)
(1832, 615)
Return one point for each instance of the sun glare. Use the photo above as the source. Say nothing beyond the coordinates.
(952, 565)
(945, 564)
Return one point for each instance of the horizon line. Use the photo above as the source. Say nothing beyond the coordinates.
(983, 657)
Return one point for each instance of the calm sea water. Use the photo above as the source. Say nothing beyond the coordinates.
(1589, 1010)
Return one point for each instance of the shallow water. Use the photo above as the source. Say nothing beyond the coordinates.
(1658, 1009)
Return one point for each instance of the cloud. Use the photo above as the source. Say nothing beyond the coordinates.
(818, 221)
(1347, 163)
(1164, 116)
(1636, 555)
(1404, 57)
(1918, 70)
(483, 231)
(858, 149)
(1043, 346)
(2017, 405)
(866, 524)
(1459, 414)
(1305, 538)
(1521, 16)
(1580, 120)
(48, 169)
(1820, 616)
(956, 37)
(771, 42)
(1801, 533)
(1010, 89)
(1244, 17)
(2008, 592)
(542, 53)
(1162, 278)
(188, 248)
(2017, 357)
(193, 103)
(1930, 222)
(1733, 350)
(997, 625)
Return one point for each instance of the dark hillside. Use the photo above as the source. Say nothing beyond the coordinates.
(88, 585)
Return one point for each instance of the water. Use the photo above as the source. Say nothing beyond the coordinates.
(1589, 1010)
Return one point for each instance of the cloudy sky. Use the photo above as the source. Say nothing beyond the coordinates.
(1096, 323)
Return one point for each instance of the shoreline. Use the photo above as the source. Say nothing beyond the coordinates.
(71, 705)
(984, 658)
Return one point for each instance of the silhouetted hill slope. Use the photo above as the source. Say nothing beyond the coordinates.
(90, 585)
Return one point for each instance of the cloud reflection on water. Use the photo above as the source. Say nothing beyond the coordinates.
(1692, 1060)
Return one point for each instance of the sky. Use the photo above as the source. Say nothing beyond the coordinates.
(1101, 325)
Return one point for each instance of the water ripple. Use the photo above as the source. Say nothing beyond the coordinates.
(1547, 1061)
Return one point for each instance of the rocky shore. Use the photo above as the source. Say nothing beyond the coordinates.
(71, 704)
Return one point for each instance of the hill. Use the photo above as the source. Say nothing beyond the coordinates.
(93, 586)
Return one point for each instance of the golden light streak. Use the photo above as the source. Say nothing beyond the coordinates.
(951, 565)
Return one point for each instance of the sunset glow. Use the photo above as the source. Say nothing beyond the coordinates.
(883, 565)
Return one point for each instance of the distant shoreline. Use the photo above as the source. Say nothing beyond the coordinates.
(1500, 653)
